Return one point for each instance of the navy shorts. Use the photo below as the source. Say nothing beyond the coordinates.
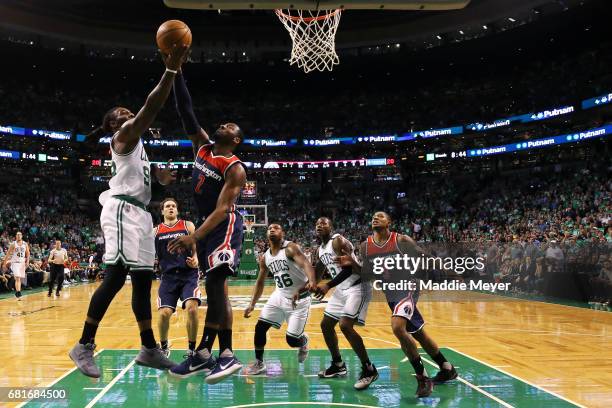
(407, 309)
(178, 284)
(220, 249)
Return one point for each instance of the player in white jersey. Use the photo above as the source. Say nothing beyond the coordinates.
(18, 257)
(290, 301)
(347, 306)
(127, 226)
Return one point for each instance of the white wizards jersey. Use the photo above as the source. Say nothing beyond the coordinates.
(327, 255)
(287, 275)
(19, 252)
(131, 175)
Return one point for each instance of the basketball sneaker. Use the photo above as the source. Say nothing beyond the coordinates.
(82, 355)
(303, 351)
(367, 377)
(445, 375)
(424, 387)
(193, 364)
(334, 371)
(256, 367)
(154, 358)
(227, 364)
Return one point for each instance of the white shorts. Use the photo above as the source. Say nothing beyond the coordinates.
(279, 308)
(18, 269)
(128, 235)
(352, 302)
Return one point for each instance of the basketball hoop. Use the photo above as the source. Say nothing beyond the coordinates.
(248, 223)
(313, 33)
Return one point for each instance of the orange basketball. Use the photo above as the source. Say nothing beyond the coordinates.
(173, 32)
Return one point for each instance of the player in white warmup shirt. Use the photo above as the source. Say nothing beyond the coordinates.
(290, 301)
(18, 256)
(347, 306)
(127, 226)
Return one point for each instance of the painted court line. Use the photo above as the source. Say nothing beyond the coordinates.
(520, 379)
(469, 384)
(58, 379)
(110, 384)
(334, 404)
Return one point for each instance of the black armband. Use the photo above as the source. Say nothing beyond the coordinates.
(341, 277)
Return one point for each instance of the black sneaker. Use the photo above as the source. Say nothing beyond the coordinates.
(424, 387)
(366, 378)
(445, 375)
(334, 371)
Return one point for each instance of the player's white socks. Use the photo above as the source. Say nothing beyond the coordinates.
(226, 353)
(204, 353)
(447, 366)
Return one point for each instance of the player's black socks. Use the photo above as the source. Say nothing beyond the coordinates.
(366, 365)
(337, 360)
(147, 338)
(208, 339)
(259, 354)
(89, 333)
(192, 345)
(419, 369)
(440, 360)
(164, 344)
(225, 340)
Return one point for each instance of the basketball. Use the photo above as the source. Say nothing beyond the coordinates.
(173, 32)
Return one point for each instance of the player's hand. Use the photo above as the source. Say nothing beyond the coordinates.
(310, 286)
(321, 290)
(295, 299)
(181, 243)
(192, 261)
(346, 259)
(177, 56)
(248, 311)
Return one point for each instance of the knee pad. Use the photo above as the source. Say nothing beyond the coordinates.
(294, 342)
(261, 328)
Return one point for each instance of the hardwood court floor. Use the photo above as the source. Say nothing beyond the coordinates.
(507, 348)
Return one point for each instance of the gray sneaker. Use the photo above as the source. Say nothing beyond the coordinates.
(303, 351)
(154, 358)
(82, 355)
(256, 367)
(367, 377)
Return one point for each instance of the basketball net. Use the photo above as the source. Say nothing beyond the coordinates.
(313, 33)
(249, 226)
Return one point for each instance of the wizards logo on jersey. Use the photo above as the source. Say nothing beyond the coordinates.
(208, 178)
(166, 233)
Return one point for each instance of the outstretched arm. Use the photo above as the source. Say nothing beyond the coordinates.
(258, 288)
(234, 182)
(184, 107)
(132, 129)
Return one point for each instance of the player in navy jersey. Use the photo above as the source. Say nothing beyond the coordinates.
(179, 274)
(406, 320)
(218, 178)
